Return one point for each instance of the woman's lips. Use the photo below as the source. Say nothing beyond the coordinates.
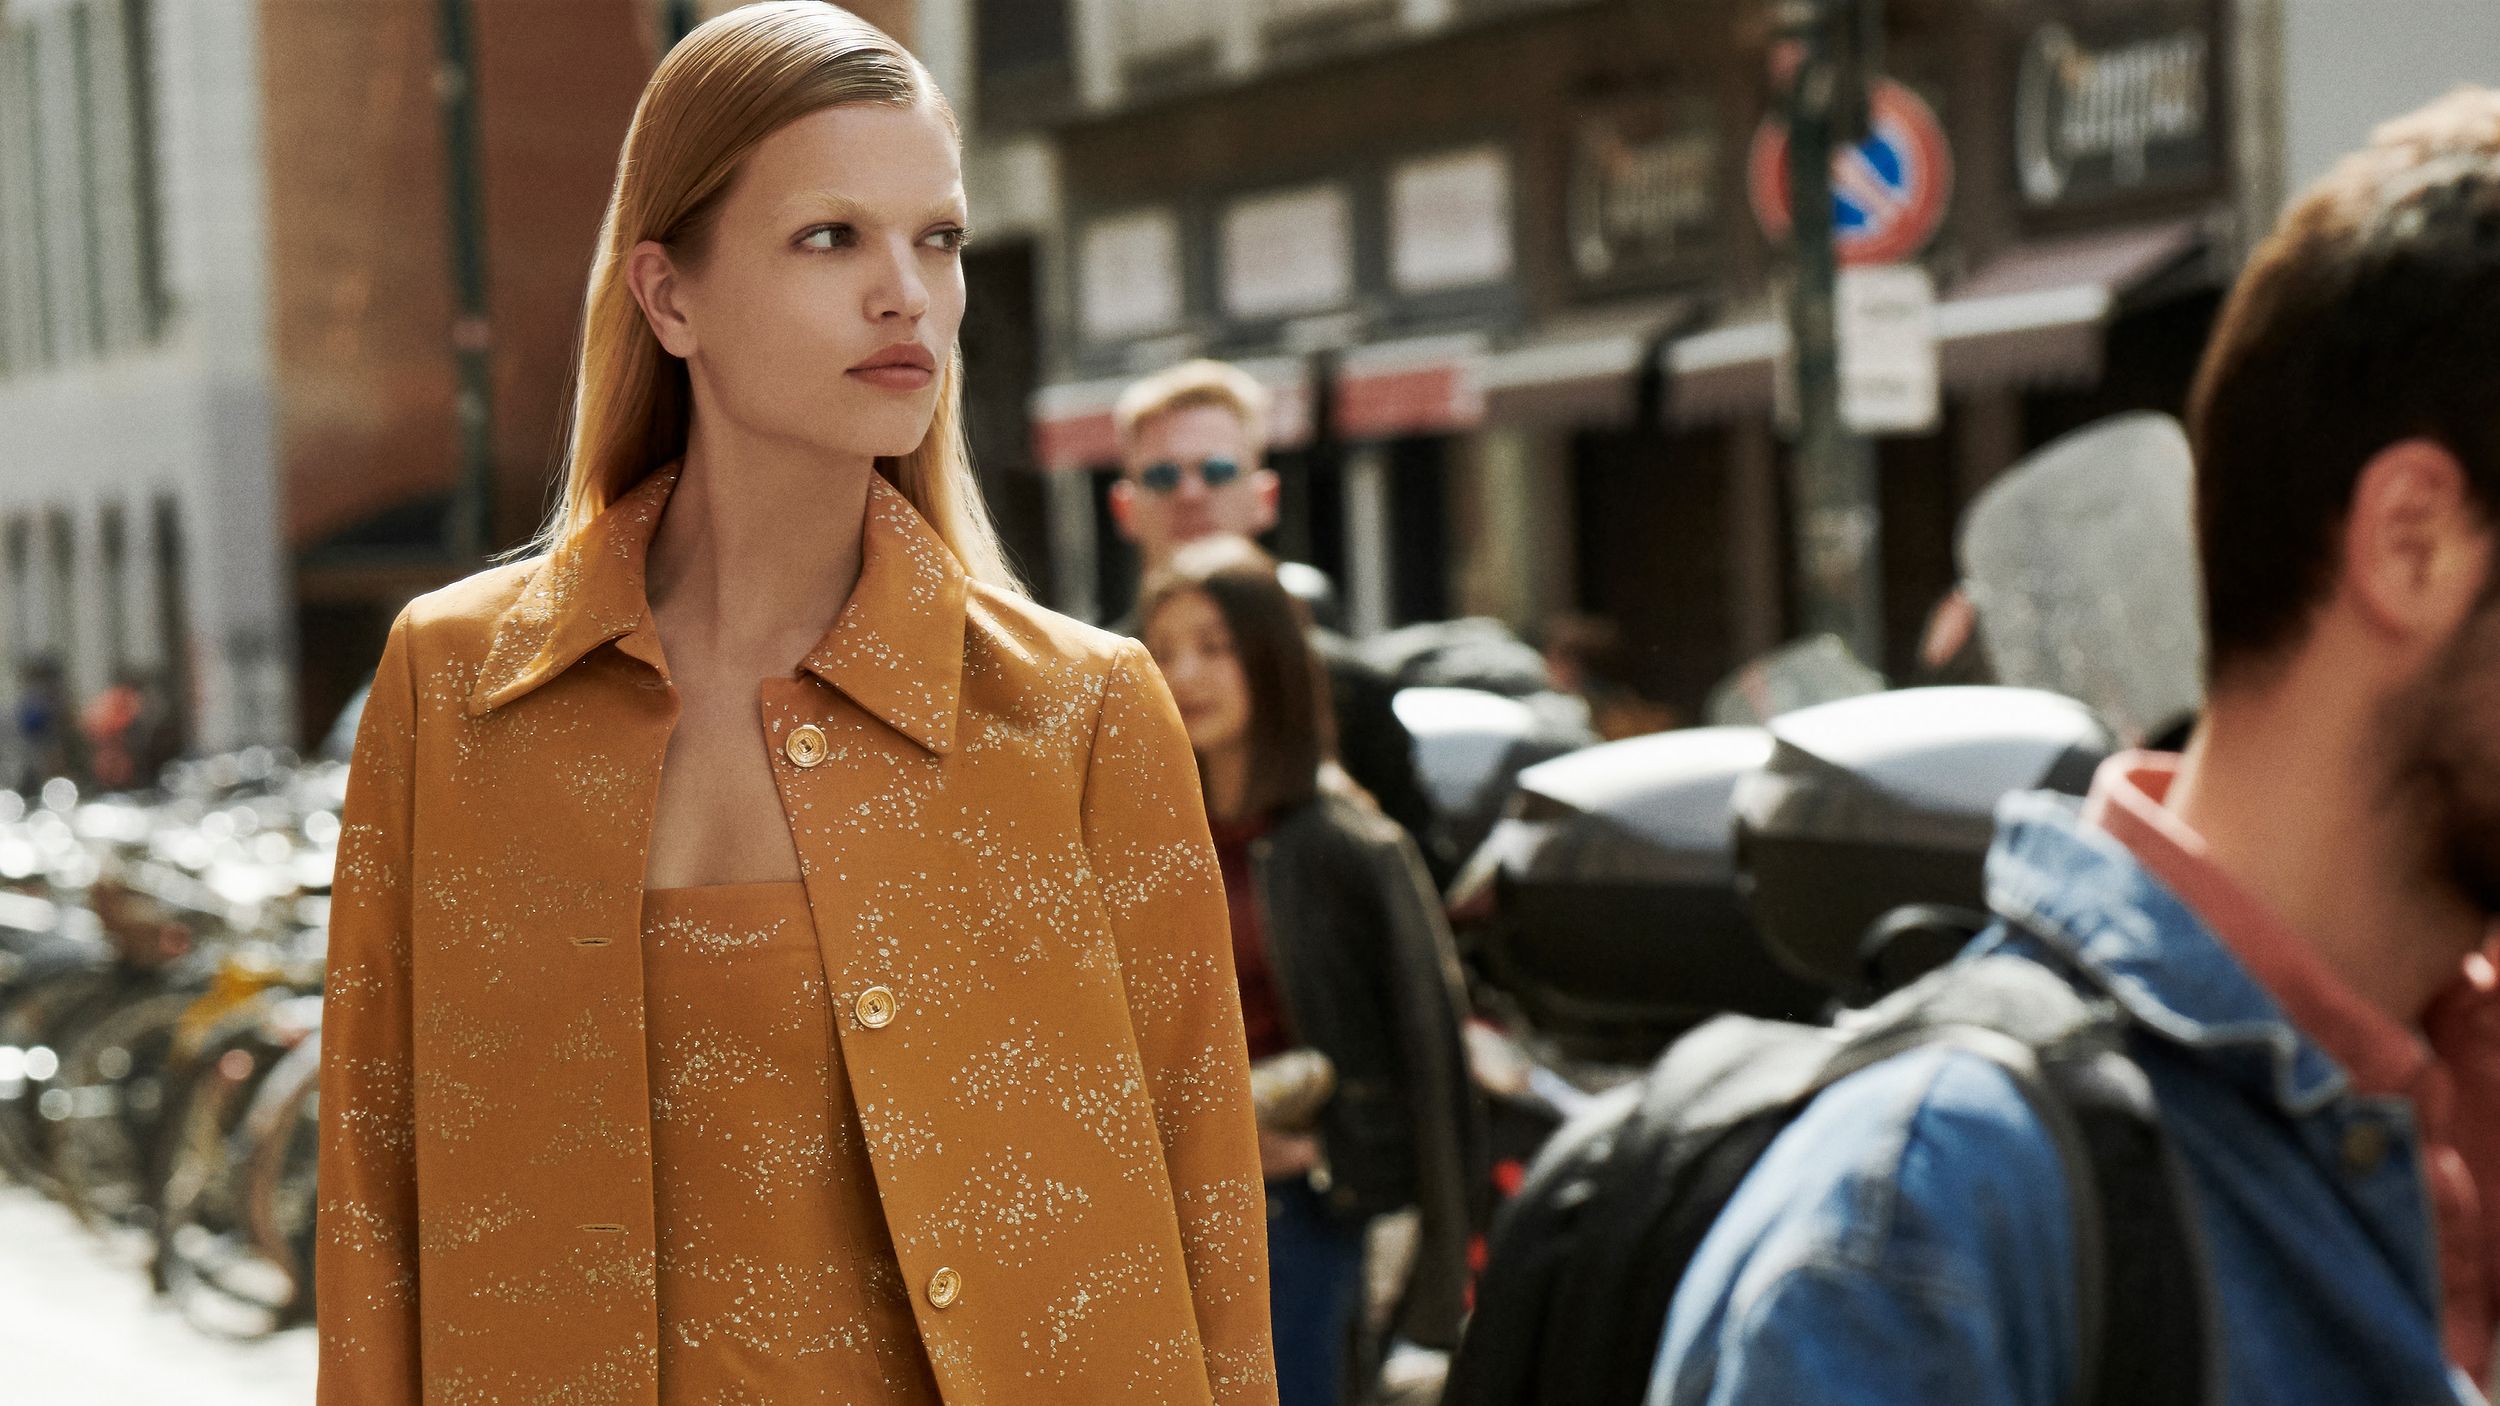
(895, 378)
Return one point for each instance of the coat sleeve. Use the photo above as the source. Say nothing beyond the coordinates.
(1451, 1137)
(1147, 846)
(365, 1261)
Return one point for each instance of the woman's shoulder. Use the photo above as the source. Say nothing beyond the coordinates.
(1010, 631)
(456, 623)
(453, 626)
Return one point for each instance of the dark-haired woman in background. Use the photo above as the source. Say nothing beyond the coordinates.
(1349, 984)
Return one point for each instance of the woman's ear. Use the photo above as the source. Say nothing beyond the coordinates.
(660, 292)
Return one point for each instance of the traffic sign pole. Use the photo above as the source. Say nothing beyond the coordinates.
(1839, 557)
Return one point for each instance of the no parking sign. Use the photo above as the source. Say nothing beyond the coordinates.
(1889, 192)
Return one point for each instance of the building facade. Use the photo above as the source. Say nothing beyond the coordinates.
(245, 248)
(138, 492)
(1502, 262)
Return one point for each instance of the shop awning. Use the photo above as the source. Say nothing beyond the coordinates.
(1073, 427)
(1420, 386)
(1582, 370)
(1423, 386)
(2039, 315)
(2036, 316)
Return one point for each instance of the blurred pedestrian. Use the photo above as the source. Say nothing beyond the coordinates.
(2293, 920)
(1584, 659)
(111, 724)
(1350, 989)
(1193, 451)
(46, 735)
(1951, 649)
(771, 958)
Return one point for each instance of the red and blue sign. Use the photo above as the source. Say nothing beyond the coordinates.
(1889, 192)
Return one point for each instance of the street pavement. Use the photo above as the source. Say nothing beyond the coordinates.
(78, 1327)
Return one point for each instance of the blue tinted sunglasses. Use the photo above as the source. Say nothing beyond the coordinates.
(1166, 476)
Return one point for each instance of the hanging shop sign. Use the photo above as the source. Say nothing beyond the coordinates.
(1643, 198)
(2102, 114)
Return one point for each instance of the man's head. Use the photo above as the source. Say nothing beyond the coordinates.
(2347, 429)
(1192, 459)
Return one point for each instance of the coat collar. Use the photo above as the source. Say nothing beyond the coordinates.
(896, 650)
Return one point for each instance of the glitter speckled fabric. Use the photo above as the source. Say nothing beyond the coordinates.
(1001, 829)
(777, 1280)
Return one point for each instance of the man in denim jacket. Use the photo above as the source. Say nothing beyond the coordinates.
(2294, 917)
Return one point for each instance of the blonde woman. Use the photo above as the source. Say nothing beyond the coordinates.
(772, 960)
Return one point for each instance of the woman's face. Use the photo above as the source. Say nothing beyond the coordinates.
(1194, 647)
(824, 310)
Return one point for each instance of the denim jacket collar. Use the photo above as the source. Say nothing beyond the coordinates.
(2080, 893)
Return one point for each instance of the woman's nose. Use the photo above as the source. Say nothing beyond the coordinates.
(900, 291)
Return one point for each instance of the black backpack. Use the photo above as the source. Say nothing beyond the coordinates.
(1586, 1258)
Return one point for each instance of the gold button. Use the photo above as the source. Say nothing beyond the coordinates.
(806, 746)
(2365, 1147)
(945, 1287)
(876, 1007)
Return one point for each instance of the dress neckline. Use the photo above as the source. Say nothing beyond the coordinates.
(778, 892)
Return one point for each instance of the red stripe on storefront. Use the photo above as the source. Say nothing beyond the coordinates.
(1076, 442)
(1426, 400)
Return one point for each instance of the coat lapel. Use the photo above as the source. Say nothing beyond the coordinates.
(585, 593)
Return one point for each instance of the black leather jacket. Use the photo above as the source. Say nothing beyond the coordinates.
(1368, 976)
(1372, 745)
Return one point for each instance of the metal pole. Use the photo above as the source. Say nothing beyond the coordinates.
(471, 526)
(1839, 560)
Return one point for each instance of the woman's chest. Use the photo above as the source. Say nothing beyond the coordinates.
(952, 890)
(717, 815)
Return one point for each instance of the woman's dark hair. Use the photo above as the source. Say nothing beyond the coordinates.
(1292, 729)
(2366, 319)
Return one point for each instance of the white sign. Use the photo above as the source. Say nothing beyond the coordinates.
(1129, 275)
(1889, 379)
(1291, 252)
(1449, 221)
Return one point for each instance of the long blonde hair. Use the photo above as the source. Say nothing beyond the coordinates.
(728, 85)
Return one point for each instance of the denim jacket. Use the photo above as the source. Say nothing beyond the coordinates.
(1906, 1241)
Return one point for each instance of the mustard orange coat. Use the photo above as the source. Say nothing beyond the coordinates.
(1004, 831)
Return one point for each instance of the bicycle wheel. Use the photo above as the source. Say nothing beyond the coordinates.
(212, 1265)
(114, 1075)
(279, 1194)
(31, 1029)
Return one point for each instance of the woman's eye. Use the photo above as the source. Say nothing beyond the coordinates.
(952, 240)
(828, 237)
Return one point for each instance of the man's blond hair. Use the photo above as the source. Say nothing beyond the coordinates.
(1187, 386)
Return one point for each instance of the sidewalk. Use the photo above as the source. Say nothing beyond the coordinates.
(79, 1328)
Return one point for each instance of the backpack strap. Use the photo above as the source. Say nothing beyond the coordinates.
(2159, 1346)
(2144, 1292)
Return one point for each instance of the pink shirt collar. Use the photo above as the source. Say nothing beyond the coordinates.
(2449, 1070)
(2379, 1054)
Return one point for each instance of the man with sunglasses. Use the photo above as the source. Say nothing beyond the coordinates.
(1193, 443)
